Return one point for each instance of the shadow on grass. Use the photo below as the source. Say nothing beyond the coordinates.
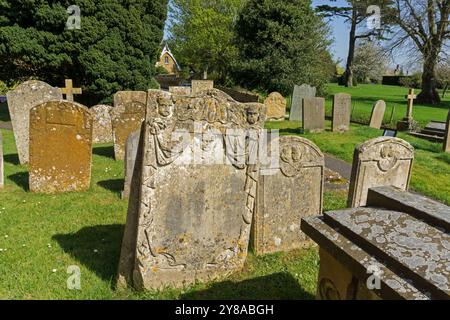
(106, 239)
(291, 131)
(113, 185)
(107, 152)
(12, 158)
(445, 157)
(21, 179)
(271, 287)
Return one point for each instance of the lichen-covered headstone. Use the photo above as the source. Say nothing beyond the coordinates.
(201, 85)
(60, 147)
(126, 116)
(276, 106)
(447, 135)
(300, 93)
(383, 161)
(341, 112)
(20, 101)
(313, 114)
(102, 127)
(131, 148)
(181, 90)
(376, 119)
(287, 192)
(2, 172)
(190, 211)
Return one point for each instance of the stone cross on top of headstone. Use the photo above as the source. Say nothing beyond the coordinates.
(69, 90)
(411, 96)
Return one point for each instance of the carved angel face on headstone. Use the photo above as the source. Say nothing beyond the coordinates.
(165, 106)
(291, 156)
(252, 115)
(388, 158)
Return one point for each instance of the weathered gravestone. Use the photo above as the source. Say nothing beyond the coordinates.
(376, 118)
(276, 106)
(131, 148)
(126, 116)
(60, 147)
(288, 191)
(189, 216)
(201, 85)
(313, 114)
(447, 135)
(20, 101)
(300, 93)
(341, 112)
(102, 127)
(180, 90)
(397, 247)
(2, 172)
(383, 161)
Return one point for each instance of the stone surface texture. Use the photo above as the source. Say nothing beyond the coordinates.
(300, 93)
(276, 106)
(60, 147)
(131, 149)
(376, 119)
(20, 101)
(102, 128)
(313, 114)
(201, 85)
(180, 90)
(342, 107)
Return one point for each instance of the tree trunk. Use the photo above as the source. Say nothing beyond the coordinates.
(429, 94)
(351, 53)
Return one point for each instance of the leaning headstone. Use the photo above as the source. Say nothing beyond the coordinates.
(376, 118)
(201, 85)
(181, 90)
(60, 147)
(383, 161)
(131, 148)
(20, 101)
(341, 112)
(288, 192)
(276, 106)
(300, 93)
(313, 114)
(2, 169)
(447, 135)
(102, 128)
(126, 116)
(190, 211)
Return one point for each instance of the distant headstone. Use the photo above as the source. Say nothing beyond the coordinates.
(341, 112)
(287, 193)
(189, 217)
(313, 114)
(376, 119)
(2, 169)
(201, 85)
(447, 135)
(131, 148)
(181, 90)
(126, 116)
(102, 130)
(383, 161)
(60, 147)
(20, 101)
(300, 93)
(276, 106)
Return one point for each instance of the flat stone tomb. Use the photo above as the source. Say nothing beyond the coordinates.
(341, 112)
(60, 147)
(409, 255)
(131, 149)
(287, 192)
(383, 161)
(313, 114)
(189, 217)
(126, 116)
(376, 118)
(300, 93)
(20, 101)
(102, 130)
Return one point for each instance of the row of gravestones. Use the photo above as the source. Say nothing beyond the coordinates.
(191, 222)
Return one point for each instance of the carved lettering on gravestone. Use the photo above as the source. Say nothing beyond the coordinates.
(2, 168)
(181, 90)
(313, 114)
(276, 106)
(131, 148)
(60, 147)
(341, 112)
(382, 161)
(201, 85)
(102, 127)
(447, 135)
(287, 193)
(126, 116)
(300, 93)
(190, 221)
(376, 119)
(20, 101)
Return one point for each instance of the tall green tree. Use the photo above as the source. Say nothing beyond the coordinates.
(201, 35)
(282, 43)
(115, 48)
